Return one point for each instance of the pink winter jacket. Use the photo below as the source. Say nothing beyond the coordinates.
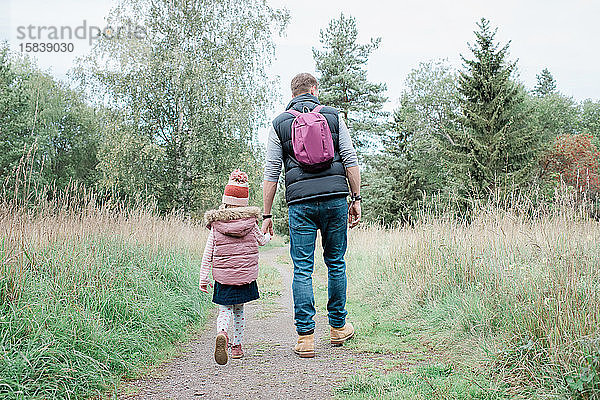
(232, 246)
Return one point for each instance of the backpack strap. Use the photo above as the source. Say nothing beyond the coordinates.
(295, 113)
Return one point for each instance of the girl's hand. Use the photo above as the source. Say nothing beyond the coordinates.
(204, 287)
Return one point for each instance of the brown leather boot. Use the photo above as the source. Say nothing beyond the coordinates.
(305, 347)
(340, 335)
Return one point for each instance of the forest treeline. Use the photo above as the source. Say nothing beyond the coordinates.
(167, 116)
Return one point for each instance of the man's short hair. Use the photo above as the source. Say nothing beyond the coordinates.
(302, 83)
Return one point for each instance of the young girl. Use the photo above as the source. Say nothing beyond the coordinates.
(232, 249)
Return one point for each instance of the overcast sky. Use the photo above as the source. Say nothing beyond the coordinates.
(558, 34)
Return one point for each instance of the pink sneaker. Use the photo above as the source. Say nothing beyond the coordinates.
(236, 351)
(221, 348)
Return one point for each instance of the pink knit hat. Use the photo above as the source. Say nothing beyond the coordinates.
(236, 191)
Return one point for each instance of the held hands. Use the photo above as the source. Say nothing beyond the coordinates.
(354, 213)
(204, 287)
(267, 226)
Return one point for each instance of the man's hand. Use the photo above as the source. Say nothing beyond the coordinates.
(354, 213)
(267, 226)
(353, 174)
(204, 287)
(269, 189)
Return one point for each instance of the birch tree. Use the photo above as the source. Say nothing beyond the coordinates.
(189, 93)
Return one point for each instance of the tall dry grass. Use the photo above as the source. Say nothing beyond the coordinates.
(78, 215)
(91, 289)
(515, 291)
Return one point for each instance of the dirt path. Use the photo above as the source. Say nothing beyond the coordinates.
(269, 370)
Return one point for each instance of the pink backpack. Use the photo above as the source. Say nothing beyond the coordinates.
(311, 140)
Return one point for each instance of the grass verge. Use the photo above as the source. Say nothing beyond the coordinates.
(90, 313)
(508, 304)
(92, 294)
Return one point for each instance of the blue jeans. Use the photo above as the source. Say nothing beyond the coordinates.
(331, 217)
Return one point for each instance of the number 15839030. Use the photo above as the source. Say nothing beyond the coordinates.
(46, 47)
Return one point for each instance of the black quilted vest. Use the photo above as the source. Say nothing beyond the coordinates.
(301, 185)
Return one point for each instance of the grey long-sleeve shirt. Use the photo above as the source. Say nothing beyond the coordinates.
(274, 160)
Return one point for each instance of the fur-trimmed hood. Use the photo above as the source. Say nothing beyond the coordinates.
(230, 214)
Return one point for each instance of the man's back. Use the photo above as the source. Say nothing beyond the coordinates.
(302, 185)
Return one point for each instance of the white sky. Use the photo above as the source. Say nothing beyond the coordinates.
(558, 34)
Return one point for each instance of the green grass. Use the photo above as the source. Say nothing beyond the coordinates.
(432, 364)
(434, 381)
(276, 241)
(421, 340)
(269, 286)
(509, 304)
(77, 316)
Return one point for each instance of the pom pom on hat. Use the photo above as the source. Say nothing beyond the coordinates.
(236, 191)
(239, 176)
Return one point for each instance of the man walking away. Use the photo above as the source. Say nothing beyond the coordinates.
(316, 200)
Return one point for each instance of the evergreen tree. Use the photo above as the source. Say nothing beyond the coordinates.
(413, 159)
(496, 146)
(395, 186)
(343, 79)
(545, 83)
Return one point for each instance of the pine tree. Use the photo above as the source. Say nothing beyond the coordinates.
(395, 187)
(343, 79)
(496, 147)
(546, 84)
(412, 161)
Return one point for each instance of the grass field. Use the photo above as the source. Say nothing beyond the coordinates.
(90, 294)
(504, 307)
(507, 306)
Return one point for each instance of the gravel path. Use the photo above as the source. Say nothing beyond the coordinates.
(269, 370)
